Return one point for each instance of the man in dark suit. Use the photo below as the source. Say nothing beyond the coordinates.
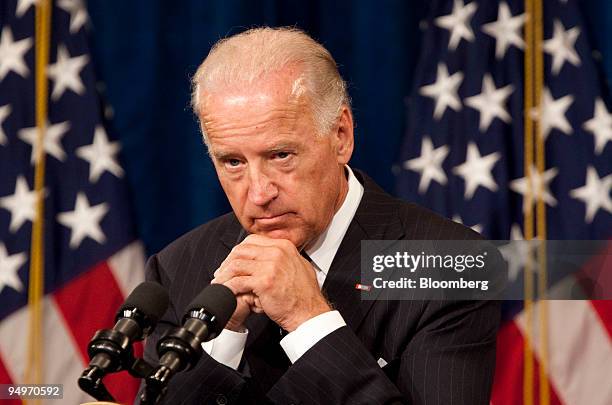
(277, 122)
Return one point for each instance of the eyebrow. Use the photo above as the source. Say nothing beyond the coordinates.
(282, 146)
(221, 155)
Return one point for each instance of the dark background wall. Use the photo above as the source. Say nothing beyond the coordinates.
(146, 50)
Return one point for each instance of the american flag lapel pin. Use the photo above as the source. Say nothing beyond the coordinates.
(363, 287)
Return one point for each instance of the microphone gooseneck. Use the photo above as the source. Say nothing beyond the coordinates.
(181, 348)
(110, 350)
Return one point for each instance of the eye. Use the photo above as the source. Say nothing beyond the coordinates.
(281, 155)
(232, 163)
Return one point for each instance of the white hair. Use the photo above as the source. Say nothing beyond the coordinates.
(247, 57)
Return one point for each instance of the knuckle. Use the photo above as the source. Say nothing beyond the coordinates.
(267, 281)
(277, 252)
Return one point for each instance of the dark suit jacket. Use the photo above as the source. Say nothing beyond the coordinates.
(438, 352)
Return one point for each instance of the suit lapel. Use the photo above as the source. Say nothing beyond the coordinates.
(376, 218)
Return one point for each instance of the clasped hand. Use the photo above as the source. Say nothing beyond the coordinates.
(270, 276)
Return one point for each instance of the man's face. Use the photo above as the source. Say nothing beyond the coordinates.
(281, 179)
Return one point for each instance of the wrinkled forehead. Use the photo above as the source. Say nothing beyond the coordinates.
(286, 86)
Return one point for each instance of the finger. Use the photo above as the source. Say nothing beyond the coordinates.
(240, 285)
(247, 298)
(241, 251)
(257, 310)
(261, 240)
(260, 252)
(250, 300)
(233, 268)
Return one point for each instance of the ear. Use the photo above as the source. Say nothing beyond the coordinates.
(344, 136)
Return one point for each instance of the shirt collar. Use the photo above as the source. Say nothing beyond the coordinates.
(325, 247)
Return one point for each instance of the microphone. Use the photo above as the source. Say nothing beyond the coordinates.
(110, 350)
(181, 349)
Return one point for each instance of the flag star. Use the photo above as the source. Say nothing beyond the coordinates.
(65, 73)
(21, 204)
(552, 113)
(429, 164)
(595, 193)
(477, 227)
(78, 14)
(561, 46)
(458, 23)
(101, 155)
(505, 30)
(9, 265)
(84, 221)
(490, 102)
(5, 110)
(476, 170)
(23, 6)
(538, 182)
(52, 140)
(444, 91)
(12, 54)
(518, 252)
(600, 125)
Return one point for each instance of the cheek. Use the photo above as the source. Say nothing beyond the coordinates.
(235, 193)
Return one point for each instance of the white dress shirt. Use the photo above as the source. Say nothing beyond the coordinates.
(228, 347)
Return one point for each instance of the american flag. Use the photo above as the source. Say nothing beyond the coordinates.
(463, 156)
(92, 257)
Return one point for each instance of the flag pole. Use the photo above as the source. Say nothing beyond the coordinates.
(34, 367)
(544, 392)
(528, 286)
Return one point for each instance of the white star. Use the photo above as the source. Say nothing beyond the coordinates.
(595, 193)
(600, 125)
(476, 170)
(490, 102)
(5, 110)
(9, 265)
(84, 221)
(23, 6)
(12, 53)
(552, 114)
(518, 252)
(444, 91)
(429, 164)
(52, 140)
(477, 227)
(524, 186)
(561, 46)
(100, 155)
(65, 73)
(78, 15)
(21, 204)
(458, 23)
(505, 30)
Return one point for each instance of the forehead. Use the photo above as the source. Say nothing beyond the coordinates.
(269, 111)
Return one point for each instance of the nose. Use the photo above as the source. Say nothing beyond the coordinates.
(262, 189)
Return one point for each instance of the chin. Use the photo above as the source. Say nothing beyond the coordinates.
(282, 234)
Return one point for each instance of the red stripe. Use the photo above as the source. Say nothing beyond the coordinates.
(89, 303)
(604, 310)
(5, 378)
(508, 382)
(595, 271)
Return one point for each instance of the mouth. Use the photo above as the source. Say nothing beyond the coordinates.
(272, 219)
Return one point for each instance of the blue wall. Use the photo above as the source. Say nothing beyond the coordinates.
(146, 50)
